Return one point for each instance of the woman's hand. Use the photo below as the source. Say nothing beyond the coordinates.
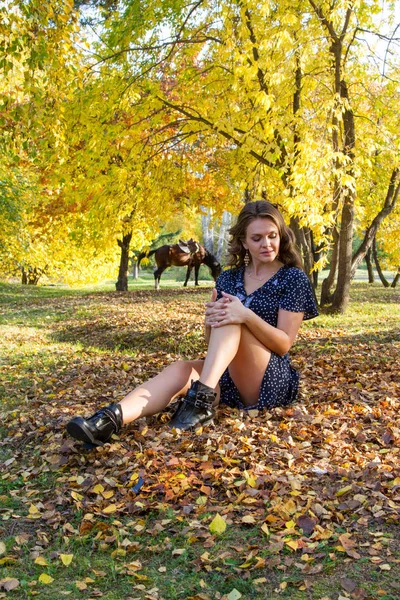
(227, 310)
(209, 306)
(214, 308)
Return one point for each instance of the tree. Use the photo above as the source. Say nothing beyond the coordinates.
(40, 60)
(215, 102)
(228, 74)
(371, 231)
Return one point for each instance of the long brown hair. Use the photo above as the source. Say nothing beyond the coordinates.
(261, 209)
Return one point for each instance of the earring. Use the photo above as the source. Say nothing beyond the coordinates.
(246, 259)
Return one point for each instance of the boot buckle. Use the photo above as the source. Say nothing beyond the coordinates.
(199, 403)
(199, 400)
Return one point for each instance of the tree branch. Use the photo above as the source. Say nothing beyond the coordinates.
(228, 136)
(318, 11)
(346, 22)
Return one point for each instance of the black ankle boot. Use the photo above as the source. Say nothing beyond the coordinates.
(195, 408)
(98, 428)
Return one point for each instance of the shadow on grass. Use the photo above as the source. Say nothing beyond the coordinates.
(114, 338)
(106, 337)
(31, 310)
(177, 337)
(116, 329)
(388, 336)
(361, 292)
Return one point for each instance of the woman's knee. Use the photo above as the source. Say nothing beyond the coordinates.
(247, 338)
(182, 373)
(183, 369)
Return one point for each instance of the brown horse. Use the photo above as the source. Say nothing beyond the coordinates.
(185, 254)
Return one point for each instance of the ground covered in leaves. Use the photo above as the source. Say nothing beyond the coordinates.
(300, 503)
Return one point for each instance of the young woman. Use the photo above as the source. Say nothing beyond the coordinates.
(251, 323)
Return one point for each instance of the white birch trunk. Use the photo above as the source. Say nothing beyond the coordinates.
(223, 235)
(207, 230)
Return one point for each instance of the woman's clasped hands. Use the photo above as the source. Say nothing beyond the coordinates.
(228, 310)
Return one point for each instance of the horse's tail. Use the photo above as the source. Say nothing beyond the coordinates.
(143, 255)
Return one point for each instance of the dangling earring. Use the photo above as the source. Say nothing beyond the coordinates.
(246, 259)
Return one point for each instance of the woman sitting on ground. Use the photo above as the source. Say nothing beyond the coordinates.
(251, 323)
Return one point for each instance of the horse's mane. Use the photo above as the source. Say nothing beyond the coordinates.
(209, 259)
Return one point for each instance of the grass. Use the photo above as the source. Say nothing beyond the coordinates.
(120, 563)
(63, 348)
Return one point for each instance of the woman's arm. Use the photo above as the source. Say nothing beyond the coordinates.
(278, 339)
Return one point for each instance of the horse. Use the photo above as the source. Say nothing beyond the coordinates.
(188, 254)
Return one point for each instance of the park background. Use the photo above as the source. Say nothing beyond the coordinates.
(128, 124)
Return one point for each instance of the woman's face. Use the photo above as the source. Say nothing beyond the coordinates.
(262, 240)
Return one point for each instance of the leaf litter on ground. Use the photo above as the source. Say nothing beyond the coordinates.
(318, 474)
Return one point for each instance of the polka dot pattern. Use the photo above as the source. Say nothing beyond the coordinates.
(289, 289)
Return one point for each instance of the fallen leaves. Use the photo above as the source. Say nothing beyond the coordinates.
(81, 585)
(348, 545)
(343, 491)
(310, 479)
(306, 524)
(45, 579)
(66, 559)
(111, 508)
(9, 583)
(234, 595)
(349, 585)
(217, 525)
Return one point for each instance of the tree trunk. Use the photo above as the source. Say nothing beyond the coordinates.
(247, 197)
(370, 269)
(302, 234)
(316, 252)
(122, 282)
(388, 206)
(343, 194)
(222, 235)
(303, 239)
(31, 275)
(328, 282)
(377, 264)
(207, 230)
(342, 292)
(395, 280)
(135, 270)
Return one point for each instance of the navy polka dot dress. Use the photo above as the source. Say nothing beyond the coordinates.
(290, 290)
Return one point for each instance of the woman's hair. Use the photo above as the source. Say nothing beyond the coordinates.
(261, 209)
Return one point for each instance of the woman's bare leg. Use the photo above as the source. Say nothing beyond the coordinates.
(222, 348)
(234, 346)
(248, 367)
(154, 395)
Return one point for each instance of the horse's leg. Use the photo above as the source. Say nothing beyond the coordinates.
(188, 271)
(157, 276)
(196, 274)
